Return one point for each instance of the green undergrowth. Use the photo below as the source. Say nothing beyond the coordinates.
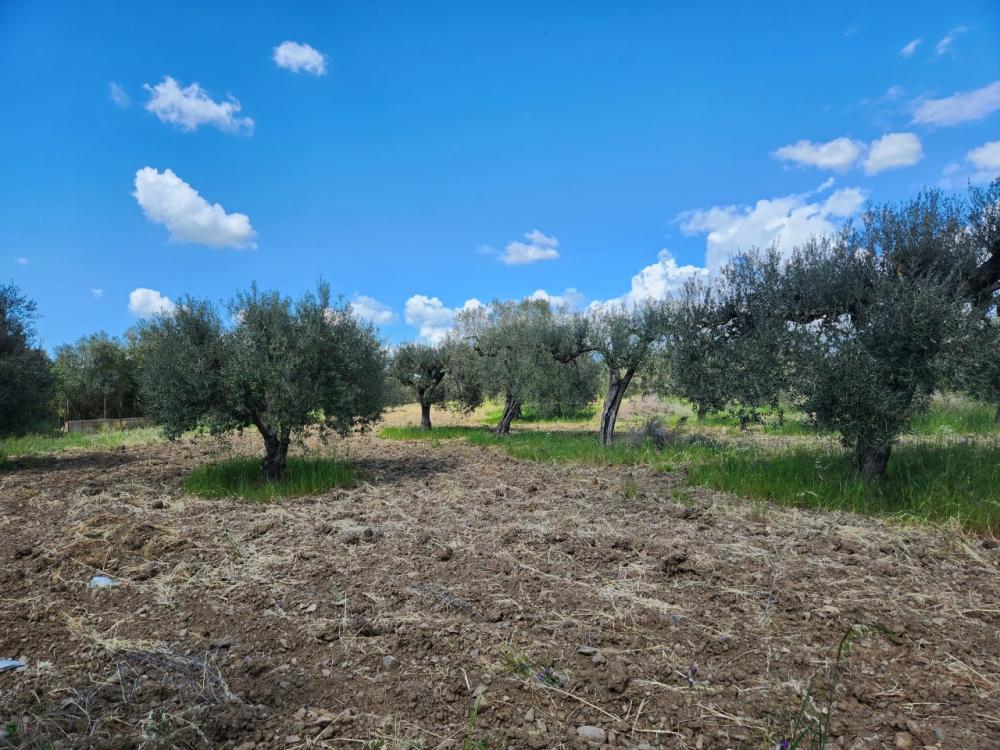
(934, 480)
(241, 478)
(53, 442)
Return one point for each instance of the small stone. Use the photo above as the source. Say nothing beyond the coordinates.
(390, 663)
(446, 554)
(591, 734)
(598, 658)
(904, 741)
(292, 739)
(311, 608)
(529, 717)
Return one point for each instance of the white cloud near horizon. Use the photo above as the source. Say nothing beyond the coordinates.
(910, 48)
(985, 160)
(892, 151)
(432, 318)
(147, 303)
(838, 155)
(538, 247)
(963, 106)
(298, 57)
(786, 221)
(656, 281)
(569, 299)
(948, 39)
(118, 95)
(370, 309)
(96, 293)
(191, 107)
(166, 199)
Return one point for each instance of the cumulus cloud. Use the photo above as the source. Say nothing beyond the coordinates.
(370, 309)
(910, 48)
(788, 221)
(118, 95)
(96, 293)
(985, 161)
(191, 106)
(570, 299)
(146, 303)
(300, 57)
(960, 107)
(892, 151)
(538, 247)
(166, 199)
(839, 154)
(431, 316)
(948, 39)
(657, 281)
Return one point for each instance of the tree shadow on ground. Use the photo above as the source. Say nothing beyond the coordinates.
(89, 461)
(401, 468)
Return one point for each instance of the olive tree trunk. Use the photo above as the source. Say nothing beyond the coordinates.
(425, 415)
(511, 411)
(617, 384)
(870, 460)
(996, 417)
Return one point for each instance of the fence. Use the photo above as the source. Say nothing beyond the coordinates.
(104, 425)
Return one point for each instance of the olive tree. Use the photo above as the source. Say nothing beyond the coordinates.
(422, 369)
(95, 373)
(25, 376)
(273, 364)
(504, 351)
(624, 339)
(859, 327)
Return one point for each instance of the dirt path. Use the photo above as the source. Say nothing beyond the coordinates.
(579, 602)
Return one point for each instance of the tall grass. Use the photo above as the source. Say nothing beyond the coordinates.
(493, 413)
(242, 478)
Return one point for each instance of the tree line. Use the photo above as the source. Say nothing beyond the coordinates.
(857, 330)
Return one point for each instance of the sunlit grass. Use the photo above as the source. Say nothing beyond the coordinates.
(242, 478)
(934, 480)
(52, 442)
(493, 413)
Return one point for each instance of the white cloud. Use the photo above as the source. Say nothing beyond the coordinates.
(789, 221)
(432, 317)
(839, 154)
(948, 39)
(960, 107)
(298, 57)
(986, 161)
(892, 151)
(22, 261)
(571, 298)
(370, 309)
(147, 303)
(118, 95)
(97, 293)
(910, 48)
(166, 199)
(657, 281)
(191, 106)
(538, 247)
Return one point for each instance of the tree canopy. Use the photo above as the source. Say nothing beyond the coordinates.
(275, 365)
(25, 376)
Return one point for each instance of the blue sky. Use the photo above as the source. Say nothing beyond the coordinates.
(421, 155)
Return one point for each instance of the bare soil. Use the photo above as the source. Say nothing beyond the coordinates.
(566, 596)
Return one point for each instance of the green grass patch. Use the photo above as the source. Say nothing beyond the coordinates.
(957, 415)
(932, 481)
(242, 478)
(493, 413)
(436, 433)
(53, 442)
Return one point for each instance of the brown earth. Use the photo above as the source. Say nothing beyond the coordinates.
(567, 596)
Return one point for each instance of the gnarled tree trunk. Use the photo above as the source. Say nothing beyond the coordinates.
(425, 415)
(996, 417)
(275, 449)
(617, 384)
(511, 411)
(870, 460)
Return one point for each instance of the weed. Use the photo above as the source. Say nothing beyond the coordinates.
(242, 478)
